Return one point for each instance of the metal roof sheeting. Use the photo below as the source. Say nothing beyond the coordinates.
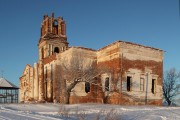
(6, 84)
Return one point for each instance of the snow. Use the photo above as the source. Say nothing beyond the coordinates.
(92, 111)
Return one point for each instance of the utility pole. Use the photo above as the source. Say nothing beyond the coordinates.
(120, 74)
(179, 8)
(146, 87)
(121, 65)
(121, 71)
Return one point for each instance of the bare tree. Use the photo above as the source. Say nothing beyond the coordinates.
(170, 85)
(78, 68)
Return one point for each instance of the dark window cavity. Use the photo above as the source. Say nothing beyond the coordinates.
(87, 87)
(153, 84)
(107, 84)
(56, 50)
(129, 83)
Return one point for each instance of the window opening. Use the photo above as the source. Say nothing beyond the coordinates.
(153, 86)
(56, 50)
(55, 27)
(87, 87)
(128, 83)
(55, 23)
(107, 84)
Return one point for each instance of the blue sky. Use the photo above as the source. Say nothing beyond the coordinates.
(90, 23)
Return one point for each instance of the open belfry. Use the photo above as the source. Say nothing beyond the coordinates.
(119, 73)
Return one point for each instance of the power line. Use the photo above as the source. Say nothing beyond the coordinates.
(179, 8)
(2, 73)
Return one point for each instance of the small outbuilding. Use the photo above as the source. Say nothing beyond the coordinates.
(8, 92)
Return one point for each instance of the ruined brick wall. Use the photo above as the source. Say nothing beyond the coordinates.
(83, 56)
(96, 94)
(21, 90)
(50, 47)
(52, 42)
(143, 62)
(49, 78)
(132, 73)
(123, 59)
(128, 59)
(26, 84)
(53, 25)
(109, 58)
(120, 60)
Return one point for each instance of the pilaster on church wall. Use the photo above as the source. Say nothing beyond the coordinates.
(59, 25)
(41, 78)
(51, 25)
(49, 72)
(31, 83)
(55, 97)
(36, 82)
(26, 84)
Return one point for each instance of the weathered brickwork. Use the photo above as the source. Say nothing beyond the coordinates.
(26, 84)
(132, 73)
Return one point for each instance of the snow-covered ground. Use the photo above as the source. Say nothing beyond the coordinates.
(88, 112)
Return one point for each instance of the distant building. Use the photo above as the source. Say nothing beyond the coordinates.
(8, 92)
(135, 77)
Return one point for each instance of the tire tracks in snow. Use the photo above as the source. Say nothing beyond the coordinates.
(26, 115)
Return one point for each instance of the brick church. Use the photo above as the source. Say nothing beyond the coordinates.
(132, 73)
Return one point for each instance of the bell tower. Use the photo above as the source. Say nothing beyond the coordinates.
(53, 36)
(52, 41)
(54, 26)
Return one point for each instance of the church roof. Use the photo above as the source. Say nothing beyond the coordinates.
(120, 41)
(6, 84)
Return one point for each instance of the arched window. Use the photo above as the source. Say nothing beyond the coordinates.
(55, 26)
(56, 50)
(87, 87)
(107, 84)
(55, 23)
